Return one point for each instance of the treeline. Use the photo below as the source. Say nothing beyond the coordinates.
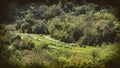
(5, 4)
(88, 24)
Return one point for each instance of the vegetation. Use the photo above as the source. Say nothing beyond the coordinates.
(88, 24)
(60, 34)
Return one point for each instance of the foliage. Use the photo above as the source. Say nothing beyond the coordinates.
(21, 44)
(88, 24)
(68, 22)
(44, 45)
(100, 57)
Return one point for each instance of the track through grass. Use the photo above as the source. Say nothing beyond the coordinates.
(58, 45)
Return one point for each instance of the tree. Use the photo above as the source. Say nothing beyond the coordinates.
(40, 28)
(25, 27)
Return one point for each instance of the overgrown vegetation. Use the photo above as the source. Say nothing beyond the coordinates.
(27, 40)
(88, 24)
(45, 57)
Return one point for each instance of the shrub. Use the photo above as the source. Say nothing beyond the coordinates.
(13, 38)
(25, 27)
(86, 64)
(44, 45)
(40, 27)
(23, 44)
(26, 45)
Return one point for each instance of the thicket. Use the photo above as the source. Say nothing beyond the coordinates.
(88, 24)
(18, 43)
(102, 57)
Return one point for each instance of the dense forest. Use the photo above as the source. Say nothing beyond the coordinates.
(87, 24)
(60, 34)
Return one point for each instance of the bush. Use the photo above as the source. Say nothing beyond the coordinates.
(25, 27)
(40, 27)
(17, 37)
(26, 45)
(86, 64)
(44, 45)
(22, 44)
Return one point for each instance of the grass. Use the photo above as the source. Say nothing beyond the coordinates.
(87, 49)
(62, 47)
(26, 37)
(40, 37)
(63, 55)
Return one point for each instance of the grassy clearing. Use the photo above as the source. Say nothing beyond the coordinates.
(65, 46)
(50, 53)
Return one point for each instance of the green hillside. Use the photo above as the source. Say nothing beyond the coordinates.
(60, 34)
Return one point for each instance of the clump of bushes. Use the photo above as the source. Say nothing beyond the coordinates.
(21, 44)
